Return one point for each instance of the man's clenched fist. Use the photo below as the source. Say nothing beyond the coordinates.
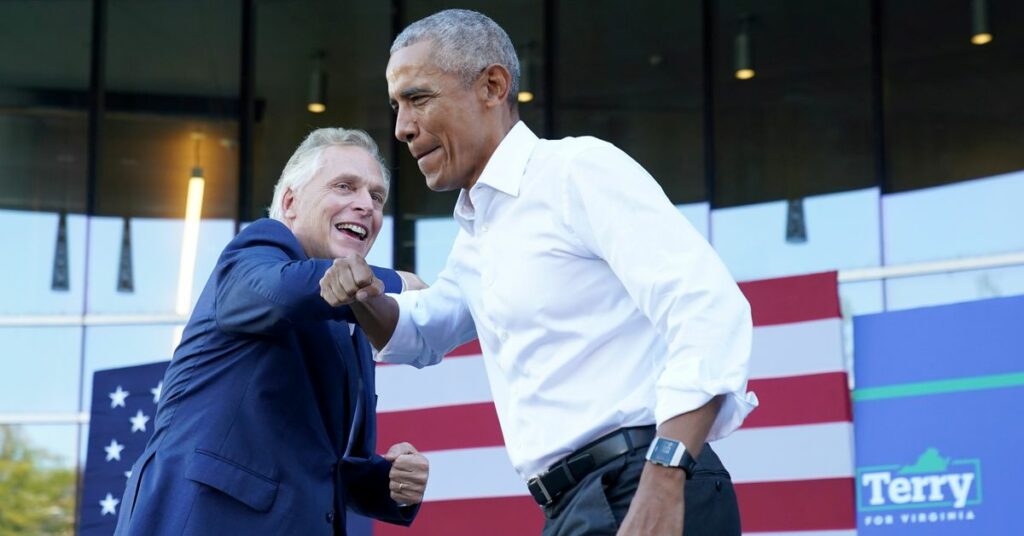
(409, 471)
(349, 279)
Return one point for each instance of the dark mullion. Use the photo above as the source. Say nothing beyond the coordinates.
(550, 62)
(400, 258)
(246, 112)
(708, 102)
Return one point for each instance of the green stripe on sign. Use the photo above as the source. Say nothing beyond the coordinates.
(976, 383)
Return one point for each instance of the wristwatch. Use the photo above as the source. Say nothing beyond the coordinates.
(671, 453)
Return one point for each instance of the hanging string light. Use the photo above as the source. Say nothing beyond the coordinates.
(980, 34)
(190, 238)
(744, 63)
(317, 102)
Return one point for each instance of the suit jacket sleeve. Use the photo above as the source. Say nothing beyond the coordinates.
(368, 491)
(264, 283)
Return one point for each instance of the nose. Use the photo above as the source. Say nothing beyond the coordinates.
(362, 201)
(405, 126)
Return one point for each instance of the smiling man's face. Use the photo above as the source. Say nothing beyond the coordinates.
(338, 213)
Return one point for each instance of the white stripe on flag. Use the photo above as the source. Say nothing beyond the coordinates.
(453, 381)
(820, 451)
(472, 473)
(487, 471)
(778, 351)
(797, 349)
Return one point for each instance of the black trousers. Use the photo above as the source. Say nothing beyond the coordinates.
(598, 504)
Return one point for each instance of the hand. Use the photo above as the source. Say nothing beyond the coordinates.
(412, 281)
(409, 471)
(349, 279)
(657, 507)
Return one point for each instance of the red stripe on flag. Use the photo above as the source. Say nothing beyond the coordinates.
(809, 399)
(825, 504)
(442, 428)
(794, 400)
(793, 299)
(500, 516)
(470, 348)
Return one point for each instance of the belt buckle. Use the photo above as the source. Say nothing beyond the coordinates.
(548, 499)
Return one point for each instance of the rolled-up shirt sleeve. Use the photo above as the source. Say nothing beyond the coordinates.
(431, 323)
(674, 277)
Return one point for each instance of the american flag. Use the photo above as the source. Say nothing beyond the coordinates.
(121, 420)
(792, 461)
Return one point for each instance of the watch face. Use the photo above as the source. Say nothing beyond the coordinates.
(664, 451)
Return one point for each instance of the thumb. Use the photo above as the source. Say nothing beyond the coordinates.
(397, 450)
(375, 289)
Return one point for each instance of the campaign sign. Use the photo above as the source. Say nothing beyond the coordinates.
(938, 419)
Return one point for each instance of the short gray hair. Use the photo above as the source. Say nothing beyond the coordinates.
(305, 162)
(465, 43)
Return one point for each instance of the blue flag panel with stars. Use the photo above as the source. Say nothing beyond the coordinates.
(121, 420)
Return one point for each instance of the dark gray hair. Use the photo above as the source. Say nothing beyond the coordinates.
(305, 161)
(465, 43)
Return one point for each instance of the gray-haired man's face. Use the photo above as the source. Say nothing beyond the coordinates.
(439, 119)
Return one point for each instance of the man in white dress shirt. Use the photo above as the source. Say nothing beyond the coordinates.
(616, 342)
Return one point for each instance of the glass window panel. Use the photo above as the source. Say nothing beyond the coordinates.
(633, 77)
(953, 110)
(155, 252)
(980, 217)
(43, 102)
(353, 39)
(39, 369)
(381, 254)
(434, 240)
(171, 105)
(939, 289)
(841, 229)
(699, 215)
(803, 124)
(26, 288)
(108, 347)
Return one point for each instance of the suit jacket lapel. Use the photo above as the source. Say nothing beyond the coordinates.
(362, 434)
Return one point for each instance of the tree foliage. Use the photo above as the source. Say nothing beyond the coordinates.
(37, 495)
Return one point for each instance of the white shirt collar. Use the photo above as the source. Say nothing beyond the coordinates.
(503, 172)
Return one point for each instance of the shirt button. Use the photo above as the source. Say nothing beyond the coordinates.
(484, 228)
(329, 517)
(504, 336)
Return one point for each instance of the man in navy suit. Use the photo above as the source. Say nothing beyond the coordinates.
(267, 419)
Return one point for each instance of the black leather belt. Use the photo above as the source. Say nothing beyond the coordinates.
(547, 487)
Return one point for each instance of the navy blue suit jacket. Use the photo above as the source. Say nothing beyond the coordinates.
(266, 423)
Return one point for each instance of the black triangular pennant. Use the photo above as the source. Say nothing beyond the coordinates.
(60, 280)
(125, 280)
(796, 227)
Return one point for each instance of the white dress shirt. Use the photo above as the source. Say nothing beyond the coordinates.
(596, 303)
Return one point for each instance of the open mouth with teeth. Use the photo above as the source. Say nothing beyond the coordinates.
(351, 229)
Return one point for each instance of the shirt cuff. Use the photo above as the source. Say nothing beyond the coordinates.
(735, 408)
(403, 347)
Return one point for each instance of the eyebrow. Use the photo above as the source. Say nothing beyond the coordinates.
(410, 92)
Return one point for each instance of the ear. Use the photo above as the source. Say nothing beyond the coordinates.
(496, 82)
(288, 204)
